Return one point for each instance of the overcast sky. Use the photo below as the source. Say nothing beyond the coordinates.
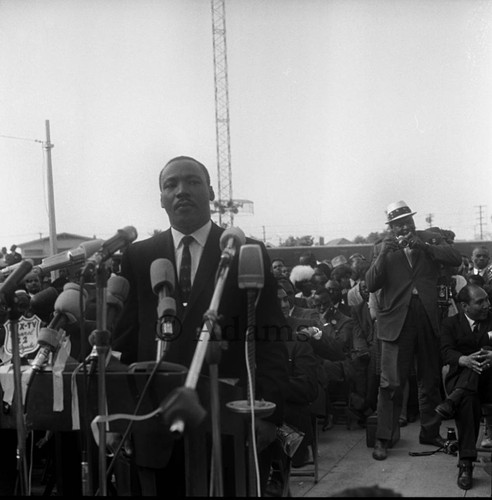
(337, 108)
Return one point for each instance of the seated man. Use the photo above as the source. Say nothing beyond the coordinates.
(465, 345)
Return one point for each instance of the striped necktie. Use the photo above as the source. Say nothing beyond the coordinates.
(185, 269)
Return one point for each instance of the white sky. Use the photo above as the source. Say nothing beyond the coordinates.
(337, 108)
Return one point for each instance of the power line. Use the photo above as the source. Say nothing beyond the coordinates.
(21, 138)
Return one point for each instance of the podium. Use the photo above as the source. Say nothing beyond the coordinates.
(124, 387)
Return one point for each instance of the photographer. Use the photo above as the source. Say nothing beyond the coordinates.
(465, 345)
(405, 268)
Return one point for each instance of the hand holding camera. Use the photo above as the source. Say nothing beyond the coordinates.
(414, 242)
(389, 244)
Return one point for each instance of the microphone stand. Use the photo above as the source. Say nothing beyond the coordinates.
(181, 407)
(19, 414)
(102, 337)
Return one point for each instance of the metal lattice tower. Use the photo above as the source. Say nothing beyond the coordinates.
(224, 202)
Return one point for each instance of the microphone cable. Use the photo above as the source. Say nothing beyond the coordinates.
(131, 417)
(249, 354)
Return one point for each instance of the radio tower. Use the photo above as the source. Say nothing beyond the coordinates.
(225, 206)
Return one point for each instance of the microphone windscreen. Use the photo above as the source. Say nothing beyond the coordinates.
(250, 268)
(162, 274)
(129, 233)
(43, 302)
(236, 234)
(68, 302)
(118, 288)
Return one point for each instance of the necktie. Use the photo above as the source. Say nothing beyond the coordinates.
(475, 327)
(185, 269)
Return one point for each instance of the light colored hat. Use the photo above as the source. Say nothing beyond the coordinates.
(398, 210)
(338, 260)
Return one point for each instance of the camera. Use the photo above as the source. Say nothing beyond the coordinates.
(403, 241)
(450, 447)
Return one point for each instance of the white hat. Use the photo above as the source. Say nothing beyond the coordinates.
(398, 210)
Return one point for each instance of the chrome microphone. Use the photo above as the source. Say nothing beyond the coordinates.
(230, 242)
(162, 281)
(67, 311)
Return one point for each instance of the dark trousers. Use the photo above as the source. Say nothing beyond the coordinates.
(417, 342)
(477, 389)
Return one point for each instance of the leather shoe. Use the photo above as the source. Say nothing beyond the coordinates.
(380, 451)
(465, 476)
(445, 410)
(435, 441)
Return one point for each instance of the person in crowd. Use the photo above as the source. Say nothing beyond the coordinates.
(319, 277)
(32, 283)
(192, 245)
(357, 262)
(278, 267)
(339, 260)
(365, 352)
(405, 268)
(335, 289)
(308, 259)
(13, 256)
(467, 348)
(355, 295)
(480, 259)
(342, 274)
(331, 338)
(300, 277)
(302, 391)
(3, 257)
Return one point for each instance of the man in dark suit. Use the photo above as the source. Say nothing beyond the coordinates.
(405, 268)
(185, 194)
(465, 344)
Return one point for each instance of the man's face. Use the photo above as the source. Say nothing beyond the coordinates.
(335, 290)
(322, 303)
(479, 304)
(364, 292)
(185, 195)
(404, 226)
(283, 301)
(277, 268)
(480, 258)
(32, 283)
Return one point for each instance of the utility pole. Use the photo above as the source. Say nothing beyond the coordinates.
(480, 219)
(429, 219)
(51, 199)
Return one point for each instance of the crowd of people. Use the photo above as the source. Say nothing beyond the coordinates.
(341, 338)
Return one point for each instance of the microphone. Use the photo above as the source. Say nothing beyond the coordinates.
(119, 241)
(69, 258)
(12, 282)
(67, 311)
(9, 269)
(43, 302)
(116, 295)
(162, 281)
(250, 268)
(230, 240)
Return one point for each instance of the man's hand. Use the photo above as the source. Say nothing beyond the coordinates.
(416, 242)
(478, 361)
(389, 245)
